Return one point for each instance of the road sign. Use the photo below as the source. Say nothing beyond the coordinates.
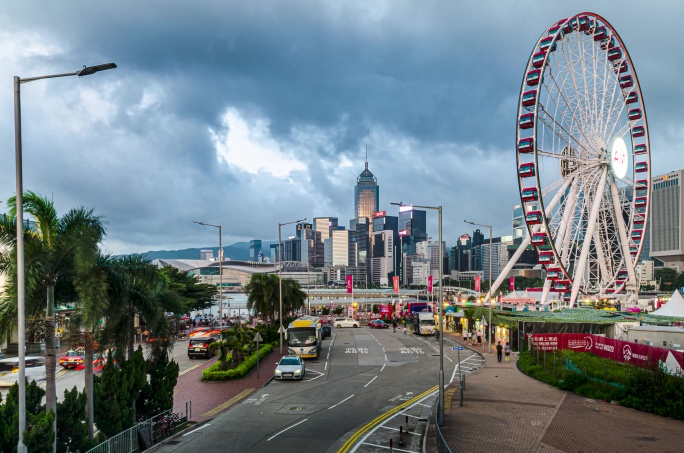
(258, 338)
(457, 348)
(281, 330)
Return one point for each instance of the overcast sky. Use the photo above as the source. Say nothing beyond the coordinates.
(247, 114)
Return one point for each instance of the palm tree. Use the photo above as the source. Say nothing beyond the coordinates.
(293, 296)
(58, 251)
(262, 295)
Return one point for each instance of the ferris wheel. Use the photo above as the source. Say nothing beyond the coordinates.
(583, 159)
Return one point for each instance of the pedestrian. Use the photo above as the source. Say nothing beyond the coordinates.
(479, 337)
(465, 336)
(499, 350)
(507, 351)
(403, 321)
(394, 325)
(470, 338)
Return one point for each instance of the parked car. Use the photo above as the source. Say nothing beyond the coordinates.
(345, 322)
(199, 347)
(290, 367)
(326, 331)
(378, 324)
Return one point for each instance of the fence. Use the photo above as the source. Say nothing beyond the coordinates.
(442, 446)
(147, 432)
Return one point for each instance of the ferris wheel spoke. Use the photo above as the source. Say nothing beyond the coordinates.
(622, 231)
(600, 256)
(561, 132)
(581, 264)
(571, 70)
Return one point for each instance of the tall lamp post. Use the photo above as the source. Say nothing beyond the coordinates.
(489, 291)
(220, 257)
(440, 411)
(21, 319)
(280, 280)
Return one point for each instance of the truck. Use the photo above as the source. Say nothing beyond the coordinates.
(423, 323)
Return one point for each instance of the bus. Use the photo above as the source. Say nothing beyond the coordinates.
(303, 337)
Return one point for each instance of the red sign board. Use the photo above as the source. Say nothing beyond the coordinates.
(618, 350)
(350, 284)
(430, 283)
(379, 214)
(511, 283)
(395, 280)
(477, 283)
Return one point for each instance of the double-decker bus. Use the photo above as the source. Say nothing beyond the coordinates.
(304, 337)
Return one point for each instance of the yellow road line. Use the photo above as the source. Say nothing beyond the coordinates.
(190, 369)
(357, 435)
(228, 403)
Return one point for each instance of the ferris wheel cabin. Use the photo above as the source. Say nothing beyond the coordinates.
(532, 77)
(527, 121)
(640, 202)
(626, 81)
(561, 285)
(538, 59)
(529, 98)
(638, 131)
(636, 235)
(623, 274)
(640, 149)
(638, 219)
(641, 167)
(533, 218)
(620, 66)
(539, 239)
(632, 97)
(553, 273)
(529, 194)
(526, 170)
(526, 145)
(546, 258)
(641, 184)
(634, 114)
(546, 44)
(614, 53)
(600, 34)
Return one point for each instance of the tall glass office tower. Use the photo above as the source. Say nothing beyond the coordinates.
(366, 194)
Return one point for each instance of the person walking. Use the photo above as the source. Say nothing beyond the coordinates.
(470, 337)
(479, 337)
(403, 321)
(507, 351)
(394, 325)
(465, 336)
(499, 351)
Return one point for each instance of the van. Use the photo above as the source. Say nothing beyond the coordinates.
(9, 370)
(199, 347)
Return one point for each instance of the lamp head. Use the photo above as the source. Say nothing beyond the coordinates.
(88, 70)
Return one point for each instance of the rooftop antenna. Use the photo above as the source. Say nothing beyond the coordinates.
(366, 156)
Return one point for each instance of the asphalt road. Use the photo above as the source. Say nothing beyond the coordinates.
(367, 382)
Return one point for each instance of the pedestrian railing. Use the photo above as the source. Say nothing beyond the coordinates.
(441, 444)
(146, 433)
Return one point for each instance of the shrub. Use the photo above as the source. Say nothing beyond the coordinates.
(571, 381)
(214, 373)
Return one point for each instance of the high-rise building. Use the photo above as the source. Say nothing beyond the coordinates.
(254, 249)
(383, 222)
(324, 226)
(340, 248)
(366, 195)
(382, 263)
(667, 232)
(360, 231)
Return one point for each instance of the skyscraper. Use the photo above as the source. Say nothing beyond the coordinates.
(366, 195)
(667, 234)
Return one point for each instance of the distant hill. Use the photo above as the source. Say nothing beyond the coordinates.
(236, 251)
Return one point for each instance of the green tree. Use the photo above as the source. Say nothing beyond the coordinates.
(157, 395)
(262, 295)
(668, 278)
(39, 434)
(192, 294)
(72, 433)
(56, 250)
(293, 296)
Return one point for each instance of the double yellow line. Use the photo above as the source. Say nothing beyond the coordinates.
(358, 434)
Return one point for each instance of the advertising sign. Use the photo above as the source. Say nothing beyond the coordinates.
(511, 283)
(430, 283)
(350, 284)
(379, 214)
(477, 283)
(395, 281)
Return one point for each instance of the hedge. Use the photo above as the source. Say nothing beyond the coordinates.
(214, 373)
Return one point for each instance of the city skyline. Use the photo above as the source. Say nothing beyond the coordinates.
(224, 115)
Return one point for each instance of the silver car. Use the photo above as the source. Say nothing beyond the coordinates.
(290, 367)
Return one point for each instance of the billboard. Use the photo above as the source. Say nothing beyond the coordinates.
(379, 214)
(350, 284)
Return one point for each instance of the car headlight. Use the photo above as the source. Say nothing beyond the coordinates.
(298, 372)
(278, 372)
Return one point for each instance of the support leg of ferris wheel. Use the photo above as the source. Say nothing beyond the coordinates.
(528, 239)
(588, 237)
(622, 231)
(545, 291)
(564, 235)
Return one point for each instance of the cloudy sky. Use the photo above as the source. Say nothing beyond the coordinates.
(247, 114)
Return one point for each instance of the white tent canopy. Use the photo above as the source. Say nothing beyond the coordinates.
(674, 307)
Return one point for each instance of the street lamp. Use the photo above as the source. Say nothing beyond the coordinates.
(21, 319)
(220, 252)
(280, 280)
(440, 412)
(489, 290)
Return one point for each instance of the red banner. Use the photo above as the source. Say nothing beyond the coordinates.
(477, 283)
(395, 281)
(511, 283)
(430, 283)
(618, 350)
(350, 284)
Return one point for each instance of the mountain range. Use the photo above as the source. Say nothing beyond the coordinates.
(236, 251)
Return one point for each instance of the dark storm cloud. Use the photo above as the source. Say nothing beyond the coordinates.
(430, 87)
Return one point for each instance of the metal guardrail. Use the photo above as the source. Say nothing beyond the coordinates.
(442, 446)
(150, 431)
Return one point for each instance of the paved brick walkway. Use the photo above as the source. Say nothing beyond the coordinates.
(211, 398)
(507, 411)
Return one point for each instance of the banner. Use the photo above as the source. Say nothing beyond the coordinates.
(350, 284)
(621, 351)
(477, 283)
(511, 283)
(430, 283)
(395, 281)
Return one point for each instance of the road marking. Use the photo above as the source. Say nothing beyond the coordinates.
(196, 429)
(289, 427)
(383, 365)
(370, 382)
(397, 429)
(326, 366)
(385, 359)
(341, 402)
(228, 403)
(387, 448)
(190, 369)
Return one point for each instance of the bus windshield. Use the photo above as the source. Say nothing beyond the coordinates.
(301, 337)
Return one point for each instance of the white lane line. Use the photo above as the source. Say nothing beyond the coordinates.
(449, 359)
(383, 366)
(405, 432)
(197, 429)
(384, 447)
(421, 404)
(289, 427)
(385, 358)
(369, 383)
(326, 366)
(341, 402)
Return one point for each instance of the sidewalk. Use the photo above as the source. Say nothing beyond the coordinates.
(506, 411)
(209, 399)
